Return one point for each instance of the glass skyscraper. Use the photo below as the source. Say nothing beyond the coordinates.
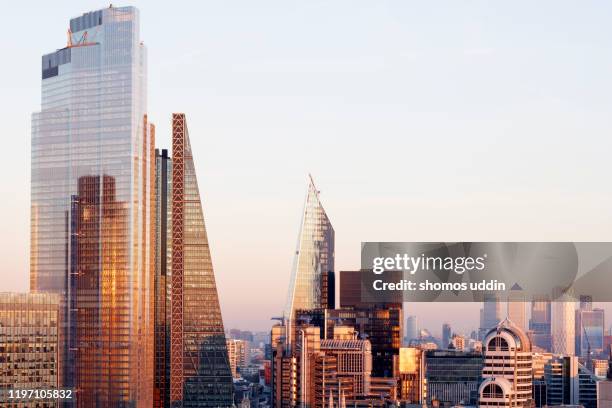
(163, 266)
(92, 207)
(589, 330)
(200, 374)
(313, 263)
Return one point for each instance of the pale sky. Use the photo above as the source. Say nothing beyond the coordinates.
(420, 121)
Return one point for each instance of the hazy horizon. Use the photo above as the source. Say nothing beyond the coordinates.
(454, 121)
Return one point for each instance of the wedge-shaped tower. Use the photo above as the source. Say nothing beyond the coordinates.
(200, 373)
(312, 276)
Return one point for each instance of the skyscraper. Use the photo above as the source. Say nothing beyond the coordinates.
(314, 259)
(563, 326)
(517, 309)
(200, 374)
(589, 329)
(163, 267)
(91, 208)
(446, 335)
(412, 328)
(540, 323)
(490, 314)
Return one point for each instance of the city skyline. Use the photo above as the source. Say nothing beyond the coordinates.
(381, 193)
(153, 246)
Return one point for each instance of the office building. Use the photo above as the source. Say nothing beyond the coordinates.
(200, 374)
(517, 309)
(570, 383)
(446, 335)
(412, 329)
(508, 369)
(604, 388)
(382, 327)
(163, 266)
(237, 352)
(490, 314)
(589, 329)
(29, 344)
(91, 211)
(313, 261)
(353, 361)
(563, 326)
(452, 376)
(410, 373)
(540, 323)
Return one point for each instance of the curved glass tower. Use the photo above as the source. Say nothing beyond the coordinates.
(313, 265)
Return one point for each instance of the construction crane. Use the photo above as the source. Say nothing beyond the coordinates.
(82, 42)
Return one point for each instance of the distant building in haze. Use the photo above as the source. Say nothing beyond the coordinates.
(446, 335)
(540, 323)
(563, 326)
(589, 329)
(412, 329)
(490, 314)
(517, 309)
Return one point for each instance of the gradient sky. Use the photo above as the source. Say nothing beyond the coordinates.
(442, 121)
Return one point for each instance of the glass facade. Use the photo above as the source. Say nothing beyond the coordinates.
(589, 332)
(314, 258)
(452, 376)
(29, 339)
(163, 264)
(92, 192)
(200, 374)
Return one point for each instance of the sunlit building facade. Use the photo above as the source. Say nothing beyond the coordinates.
(29, 345)
(563, 326)
(92, 188)
(508, 368)
(200, 374)
(410, 373)
(313, 263)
